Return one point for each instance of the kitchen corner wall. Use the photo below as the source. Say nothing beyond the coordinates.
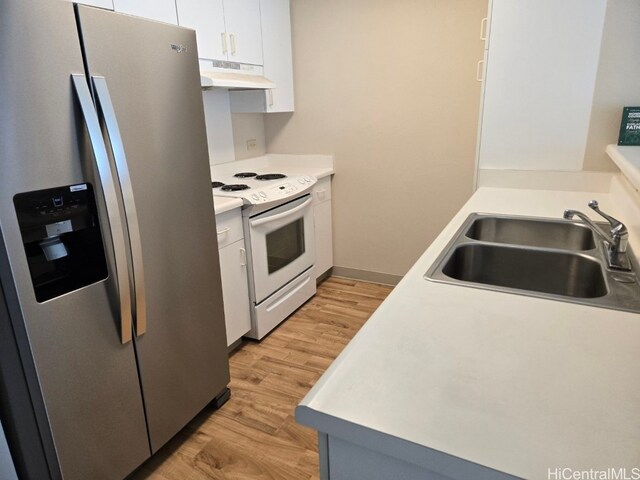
(617, 81)
(390, 89)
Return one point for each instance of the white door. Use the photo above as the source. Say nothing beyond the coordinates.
(206, 17)
(235, 292)
(242, 21)
(282, 245)
(540, 79)
(159, 10)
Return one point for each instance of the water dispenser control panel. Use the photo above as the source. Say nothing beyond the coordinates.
(62, 239)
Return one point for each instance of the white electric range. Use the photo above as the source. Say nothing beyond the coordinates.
(279, 239)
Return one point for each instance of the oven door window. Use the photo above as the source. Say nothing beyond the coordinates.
(284, 245)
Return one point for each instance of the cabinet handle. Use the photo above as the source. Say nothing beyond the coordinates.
(479, 70)
(270, 94)
(243, 257)
(232, 37)
(483, 29)
(223, 231)
(224, 43)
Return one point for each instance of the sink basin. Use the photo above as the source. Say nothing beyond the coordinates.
(558, 273)
(533, 232)
(549, 258)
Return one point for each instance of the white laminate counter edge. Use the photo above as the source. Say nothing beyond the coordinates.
(225, 204)
(627, 158)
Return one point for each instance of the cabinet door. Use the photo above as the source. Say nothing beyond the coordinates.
(206, 17)
(108, 4)
(278, 63)
(323, 237)
(159, 10)
(242, 21)
(235, 291)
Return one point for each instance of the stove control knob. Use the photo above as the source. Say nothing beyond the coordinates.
(255, 197)
(263, 195)
(307, 179)
(301, 180)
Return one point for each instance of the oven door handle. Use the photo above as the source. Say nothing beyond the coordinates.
(278, 216)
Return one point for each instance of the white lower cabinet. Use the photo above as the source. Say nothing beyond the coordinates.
(233, 269)
(323, 226)
(375, 461)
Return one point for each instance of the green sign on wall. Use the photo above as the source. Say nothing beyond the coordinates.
(630, 126)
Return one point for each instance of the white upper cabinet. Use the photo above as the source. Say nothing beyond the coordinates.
(278, 63)
(159, 10)
(226, 30)
(206, 17)
(95, 3)
(242, 21)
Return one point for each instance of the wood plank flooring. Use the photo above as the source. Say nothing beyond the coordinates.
(255, 435)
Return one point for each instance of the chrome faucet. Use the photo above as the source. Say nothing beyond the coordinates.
(616, 239)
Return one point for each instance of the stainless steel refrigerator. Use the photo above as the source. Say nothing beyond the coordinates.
(112, 332)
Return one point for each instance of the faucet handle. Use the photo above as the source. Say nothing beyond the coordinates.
(617, 227)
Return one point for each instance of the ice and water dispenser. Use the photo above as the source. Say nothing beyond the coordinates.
(62, 239)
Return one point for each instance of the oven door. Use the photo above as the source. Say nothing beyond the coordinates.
(281, 245)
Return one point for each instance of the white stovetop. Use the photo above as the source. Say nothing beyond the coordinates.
(514, 383)
(318, 166)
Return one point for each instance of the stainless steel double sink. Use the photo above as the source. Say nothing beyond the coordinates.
(539, 257)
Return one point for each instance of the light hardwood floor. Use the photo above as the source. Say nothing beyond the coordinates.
(255, 435)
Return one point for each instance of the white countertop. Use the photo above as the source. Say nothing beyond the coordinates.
(627, 158)
(318, 166)
(514, 383)
(224, 204)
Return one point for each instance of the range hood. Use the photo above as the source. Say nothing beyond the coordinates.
(234, 76)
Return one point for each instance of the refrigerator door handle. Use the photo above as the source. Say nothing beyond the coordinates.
(105, 106)
(109, 191)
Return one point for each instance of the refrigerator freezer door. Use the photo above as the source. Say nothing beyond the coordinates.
(153, 79)
(83, 381)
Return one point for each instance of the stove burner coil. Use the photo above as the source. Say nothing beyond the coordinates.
(217, 184)
(236, 187)
(271, 176)
(245, 175)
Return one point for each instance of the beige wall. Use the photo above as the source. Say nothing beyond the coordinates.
(617, 82)
(389, 88)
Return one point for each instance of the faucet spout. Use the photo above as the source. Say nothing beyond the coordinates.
(616, 239)
(569, 214)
